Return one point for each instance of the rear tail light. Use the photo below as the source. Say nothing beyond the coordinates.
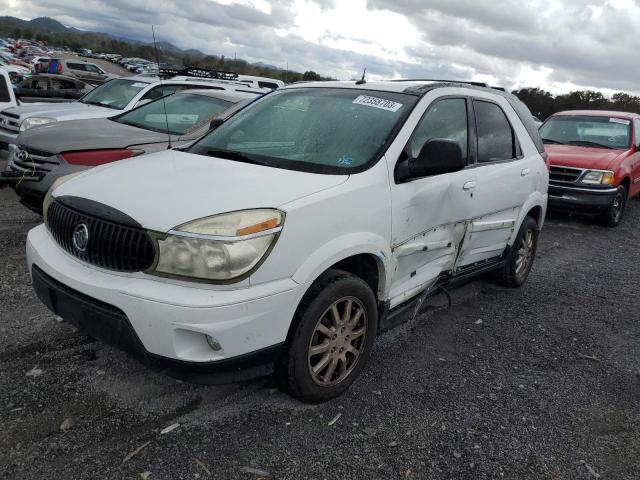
(59, 68)
(93, 158)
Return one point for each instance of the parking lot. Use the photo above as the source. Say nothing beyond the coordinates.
(537, 383)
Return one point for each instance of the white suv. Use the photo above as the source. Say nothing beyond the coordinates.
(294, 233)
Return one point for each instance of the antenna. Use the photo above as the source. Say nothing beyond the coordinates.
(164, 104)
(362, 81)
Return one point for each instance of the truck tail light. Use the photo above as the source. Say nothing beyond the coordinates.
(93, 158)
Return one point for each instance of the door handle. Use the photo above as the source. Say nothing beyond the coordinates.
(469, 185)
(525, 172)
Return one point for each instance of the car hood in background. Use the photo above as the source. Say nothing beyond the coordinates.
(582, 157)
(166, 189)
(90, 134)
(62, 111)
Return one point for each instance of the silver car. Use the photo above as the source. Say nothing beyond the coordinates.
(46, 153)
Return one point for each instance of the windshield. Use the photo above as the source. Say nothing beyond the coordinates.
(323, 130)
(599, 132)
(184, 112)
(114, 94)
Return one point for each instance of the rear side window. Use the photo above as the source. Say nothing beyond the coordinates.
(445, 120)
(77, 66)
(4, 90)
(496, 140)
(270, 85)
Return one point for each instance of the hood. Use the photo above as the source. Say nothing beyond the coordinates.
(91, 134)
(169, 188)
(62, 111)
(582, 157)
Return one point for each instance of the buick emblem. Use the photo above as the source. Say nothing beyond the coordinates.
(22, 155)
(80, 238)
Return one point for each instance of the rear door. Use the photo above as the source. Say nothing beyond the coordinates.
(430, 213)
(506, 178)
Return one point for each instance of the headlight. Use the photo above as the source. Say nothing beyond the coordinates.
(598, 177)
(34, 122)
(219, 248)
(49, 197)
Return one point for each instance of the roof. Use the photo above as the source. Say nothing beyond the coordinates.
(598, 113)
(385, 85)
(229, 95)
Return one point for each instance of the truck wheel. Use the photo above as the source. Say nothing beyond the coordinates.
(520, 256)
(333, 333)
(612, 216)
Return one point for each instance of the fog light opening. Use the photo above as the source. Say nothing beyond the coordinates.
(213, 343)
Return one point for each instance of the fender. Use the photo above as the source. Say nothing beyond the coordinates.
(346, 246)
(537, 199)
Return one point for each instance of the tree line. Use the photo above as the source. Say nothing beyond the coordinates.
(543, 104)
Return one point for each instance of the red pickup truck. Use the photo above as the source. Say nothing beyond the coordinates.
(594, 159)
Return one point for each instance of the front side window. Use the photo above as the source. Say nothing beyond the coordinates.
(93, 69)
(496, 140)
(323, 130)
(587, 131)
(445, 120)
(637, 130)
(114, 94)
(184, 113)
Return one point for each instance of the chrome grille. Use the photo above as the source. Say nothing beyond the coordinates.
(564, 175)
(108, 245)
(10, 122)
(26, 159)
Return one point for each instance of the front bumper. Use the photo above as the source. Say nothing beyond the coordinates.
(161, 320)
(580, 199)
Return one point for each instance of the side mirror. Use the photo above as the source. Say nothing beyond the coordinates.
(436, 157)
(215, 123)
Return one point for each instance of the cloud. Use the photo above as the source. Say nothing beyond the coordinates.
(558, 45)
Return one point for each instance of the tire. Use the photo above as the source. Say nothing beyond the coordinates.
(612, 216)
(317, 324)
(512, 274)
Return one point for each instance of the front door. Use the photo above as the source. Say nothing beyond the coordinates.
(429, 214)
(506, 177)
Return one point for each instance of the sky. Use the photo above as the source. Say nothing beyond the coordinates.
(556, 45)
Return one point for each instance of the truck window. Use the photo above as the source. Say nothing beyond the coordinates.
(77, 66)
(496, 140)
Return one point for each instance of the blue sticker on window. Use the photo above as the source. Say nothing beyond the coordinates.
(345, 160)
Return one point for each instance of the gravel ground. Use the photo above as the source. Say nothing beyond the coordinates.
(537, 383)
(105, 65)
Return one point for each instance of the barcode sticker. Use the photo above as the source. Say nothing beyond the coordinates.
(376, 102)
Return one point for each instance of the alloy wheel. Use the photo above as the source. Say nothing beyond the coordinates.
(524, 256)
(337, 341)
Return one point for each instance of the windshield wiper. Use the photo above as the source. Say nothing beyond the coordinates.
(234, 155)
(101, 104)
(587, 143)
(549, 140)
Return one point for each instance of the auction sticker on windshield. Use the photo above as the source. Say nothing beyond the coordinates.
(376, 102)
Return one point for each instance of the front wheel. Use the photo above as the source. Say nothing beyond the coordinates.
(612, 216)
(519, 258)
(334, 331)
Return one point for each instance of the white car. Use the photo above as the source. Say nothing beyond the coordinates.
(295, 232)
(107, 100)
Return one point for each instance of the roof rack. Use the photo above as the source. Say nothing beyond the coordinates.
(165, 73)
(476, 84)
